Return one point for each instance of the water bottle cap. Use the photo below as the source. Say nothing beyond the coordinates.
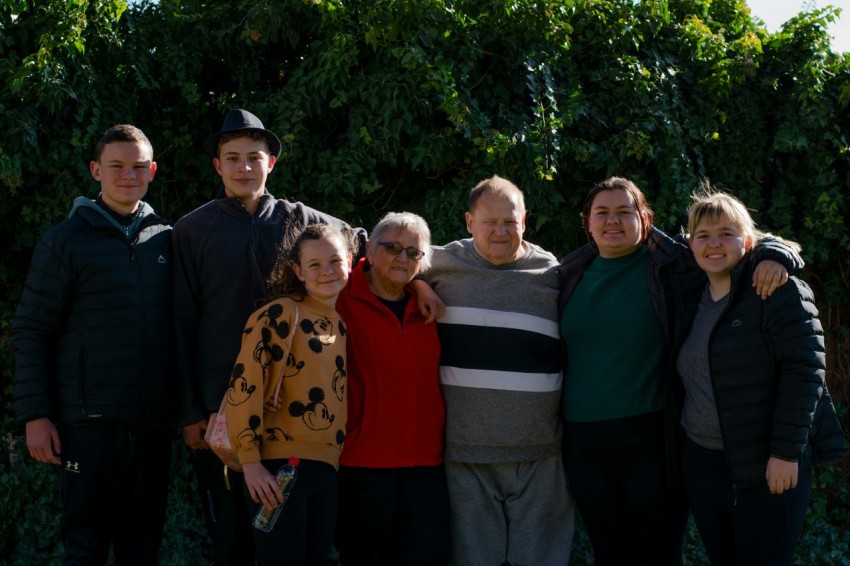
(294, 462)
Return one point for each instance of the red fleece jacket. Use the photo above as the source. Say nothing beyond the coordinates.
(396, 412)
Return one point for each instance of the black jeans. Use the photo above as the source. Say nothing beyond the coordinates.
(114, 491)
(304, 531)
(618, 479)
(227, 516)
(393, 516)
(744, 526)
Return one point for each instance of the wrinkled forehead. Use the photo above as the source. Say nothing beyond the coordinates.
(401, 234)
(499, 204)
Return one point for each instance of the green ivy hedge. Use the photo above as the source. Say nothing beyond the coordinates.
(404, 105)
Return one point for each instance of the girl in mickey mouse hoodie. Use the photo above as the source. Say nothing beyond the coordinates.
(286, 397)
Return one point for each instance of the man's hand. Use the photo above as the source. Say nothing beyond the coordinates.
(429, 303)
(193, 435)
(43, 441)
(768, 277)
(781, 475)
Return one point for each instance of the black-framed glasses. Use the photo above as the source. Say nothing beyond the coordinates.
(395, 249)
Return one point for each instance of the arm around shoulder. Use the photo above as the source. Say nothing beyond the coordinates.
(313, 216)
(775, 259)
(429, 303)
(780, 251)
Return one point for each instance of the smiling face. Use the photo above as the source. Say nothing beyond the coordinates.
(244, 165)
(391, 273)
(497, 222)
(124, 170)
(323, 266)
(615, 224)
(719, 246)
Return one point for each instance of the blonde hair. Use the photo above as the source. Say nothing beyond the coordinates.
(713, 206)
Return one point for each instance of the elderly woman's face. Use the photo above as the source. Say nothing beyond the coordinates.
(395, 270)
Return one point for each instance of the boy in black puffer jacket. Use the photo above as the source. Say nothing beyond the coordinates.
(93, 364)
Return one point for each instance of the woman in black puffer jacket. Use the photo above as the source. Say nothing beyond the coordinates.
(757, 413)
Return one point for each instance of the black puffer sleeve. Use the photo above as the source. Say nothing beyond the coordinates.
(37, 323)
(796, 336)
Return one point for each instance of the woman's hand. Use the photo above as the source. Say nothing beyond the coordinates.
(262, 485)
(768, 277)
(781, 475)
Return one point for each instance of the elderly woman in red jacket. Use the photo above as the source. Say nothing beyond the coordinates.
(393, 501)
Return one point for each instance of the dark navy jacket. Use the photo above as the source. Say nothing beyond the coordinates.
(92, 333)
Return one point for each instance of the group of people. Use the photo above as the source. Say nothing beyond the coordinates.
(447, 404)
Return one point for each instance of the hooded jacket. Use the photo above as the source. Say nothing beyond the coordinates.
(92, 332)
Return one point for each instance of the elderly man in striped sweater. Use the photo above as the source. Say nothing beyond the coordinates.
(500, 372)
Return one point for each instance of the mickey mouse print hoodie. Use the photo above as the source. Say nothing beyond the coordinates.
(301, 345)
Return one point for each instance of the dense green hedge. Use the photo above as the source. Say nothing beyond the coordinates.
(405, 104)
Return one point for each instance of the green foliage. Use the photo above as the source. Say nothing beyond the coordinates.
(406, 104)
(29, 510)
(826, 533)
(185, 539)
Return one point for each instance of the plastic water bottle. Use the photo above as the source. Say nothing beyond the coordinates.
(266, 517)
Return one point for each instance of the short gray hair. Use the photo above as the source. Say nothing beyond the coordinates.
(405, 221)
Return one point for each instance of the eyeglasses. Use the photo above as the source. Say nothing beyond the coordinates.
(395, 249)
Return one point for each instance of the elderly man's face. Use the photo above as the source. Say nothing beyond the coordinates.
(496, 224)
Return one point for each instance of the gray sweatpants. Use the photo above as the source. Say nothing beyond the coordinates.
(517, 513)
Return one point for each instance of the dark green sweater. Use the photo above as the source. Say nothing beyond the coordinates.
(614, 343)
